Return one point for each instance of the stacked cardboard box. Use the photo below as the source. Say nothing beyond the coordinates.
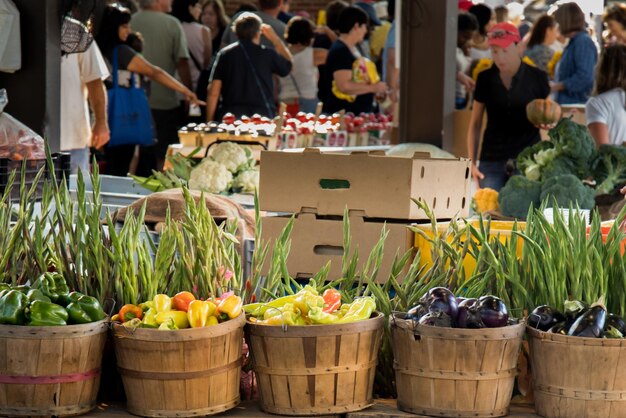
(375, 188)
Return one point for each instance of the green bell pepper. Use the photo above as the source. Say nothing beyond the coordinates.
(22, 288)
(13, 306)
(84, 309)
(36, 294)
(5, 286)
(53, 285)
(47, 314)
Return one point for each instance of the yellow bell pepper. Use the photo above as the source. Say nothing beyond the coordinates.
(149, 319)
(307, 299)
(231, 306)
(162, 303)
(211, 320)
(147, 305)
(179, 317)
(359, 310)
(168, 325)
(198, 313)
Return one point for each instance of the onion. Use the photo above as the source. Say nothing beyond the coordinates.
(493, 312)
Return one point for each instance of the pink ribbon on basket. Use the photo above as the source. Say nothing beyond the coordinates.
(48, 380)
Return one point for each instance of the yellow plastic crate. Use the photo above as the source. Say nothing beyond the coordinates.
(500, 229)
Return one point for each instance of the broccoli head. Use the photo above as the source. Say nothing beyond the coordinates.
(517, 195)
(568, 191)
(574, 142)
(610, 168)
(526, 160)
(559, 166)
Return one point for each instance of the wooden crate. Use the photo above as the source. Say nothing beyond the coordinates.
(452, 372)
(50, 370)
(577, 377)
(316, 369)
(182, 373)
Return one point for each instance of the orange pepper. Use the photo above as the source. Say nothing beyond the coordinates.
(129, 312)
(181, 301)
(332, 300)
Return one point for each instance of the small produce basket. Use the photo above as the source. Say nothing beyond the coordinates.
(577, 377)
(182, 373)
(48, 370)
(62, 170)
(455, 372)
(316, 369)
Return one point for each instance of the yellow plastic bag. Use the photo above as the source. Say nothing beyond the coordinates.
(363, 71)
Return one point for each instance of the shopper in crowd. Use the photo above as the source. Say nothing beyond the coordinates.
(391, 73)
(517, 18)
(615, 20)
(246, 6)
(284, 15)
(300, 87)
(503, 91)
(243, 71)
(543, 35)
(197, 35)
(325, 37)
(269, 11)
(467, 26)
(165, 47)
(606, 110)
(486, 19)
(82, 76)
(576, 68)
(113, 37)
(341, 91)
(214, 17)
(502, 14)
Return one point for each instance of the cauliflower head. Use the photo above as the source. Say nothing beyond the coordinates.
(210, 176)
(232, 156)
(247, 181)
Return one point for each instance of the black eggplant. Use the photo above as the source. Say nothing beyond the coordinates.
(440, 299)
(493, 312)
(544, 317)
(468, 316)
(560, 328)
(416, 312)
(589, 324)
(616, 322)
(436, 319)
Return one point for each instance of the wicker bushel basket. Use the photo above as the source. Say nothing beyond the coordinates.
(180, 373)
(316, 369)
(577, 377)
(453, 372)
(50, 370)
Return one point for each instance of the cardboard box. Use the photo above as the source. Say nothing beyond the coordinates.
(379, 186)
(315, 241)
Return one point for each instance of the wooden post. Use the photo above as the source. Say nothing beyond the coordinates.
(427, 71)
(35, 90)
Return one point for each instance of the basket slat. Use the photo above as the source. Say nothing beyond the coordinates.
(316, 370)
(455, 372)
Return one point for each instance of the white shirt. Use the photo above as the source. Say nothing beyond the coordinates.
(10, 42)
(304, 72)
(609, 108)
(76, 71)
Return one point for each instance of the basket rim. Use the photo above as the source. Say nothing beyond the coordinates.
(67, 331)
(177, 335)
(567, 339)
(374, 322)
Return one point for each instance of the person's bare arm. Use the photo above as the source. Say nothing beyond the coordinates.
(208, 47)
(343, 80)
(182, 68)
(140, 66)
(213, 95)
(278, 43)
(98, 100)
(393, 74)
(473, 134)
(600, 133)
(319, 56)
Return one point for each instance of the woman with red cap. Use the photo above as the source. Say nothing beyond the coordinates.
(503, 91)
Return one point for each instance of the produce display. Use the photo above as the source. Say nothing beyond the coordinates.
(578, 320)
(229, 168)
(48, 302)
(308, 307)
(439, 307)
(179, 312)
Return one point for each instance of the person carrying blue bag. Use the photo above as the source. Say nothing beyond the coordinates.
(130, 119)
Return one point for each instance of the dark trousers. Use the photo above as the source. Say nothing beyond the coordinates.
(118, 159)
(166, 123)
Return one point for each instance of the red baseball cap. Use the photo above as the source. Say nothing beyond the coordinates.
(503, 34)
(465, 5)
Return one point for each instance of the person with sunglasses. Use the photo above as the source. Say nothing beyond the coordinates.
(503, 91)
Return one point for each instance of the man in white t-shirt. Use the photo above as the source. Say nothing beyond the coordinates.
(82, 76)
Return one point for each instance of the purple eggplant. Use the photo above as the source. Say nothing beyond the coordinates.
(544, 317)
(493, 312)
(616, 322)
(416, 312)
(436, 319)
(468, 316)
(560, 328)
(589, 324)
(440, 299)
